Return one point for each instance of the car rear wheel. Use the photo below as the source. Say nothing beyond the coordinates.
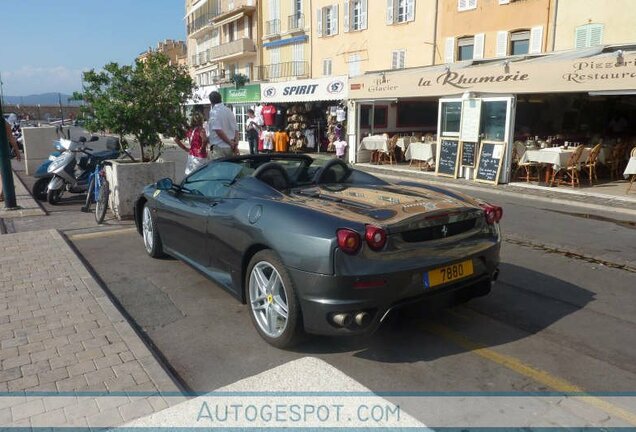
(274, 307)
(152, 242)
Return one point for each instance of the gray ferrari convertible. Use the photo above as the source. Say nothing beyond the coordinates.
(319, 247)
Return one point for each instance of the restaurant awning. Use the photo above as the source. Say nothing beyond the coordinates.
(306, 90)
(591, 70)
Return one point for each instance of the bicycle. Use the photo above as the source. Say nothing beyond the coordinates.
(98, 192)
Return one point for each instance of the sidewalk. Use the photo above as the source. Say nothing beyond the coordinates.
(60, 332)
(26, 204)
(581, 198)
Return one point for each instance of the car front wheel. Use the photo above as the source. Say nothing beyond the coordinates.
(274, 307)
(152, 242)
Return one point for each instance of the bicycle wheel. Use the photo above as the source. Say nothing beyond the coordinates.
(89, 196)
(101, 204)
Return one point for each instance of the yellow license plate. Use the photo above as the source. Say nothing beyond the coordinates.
(451, 273)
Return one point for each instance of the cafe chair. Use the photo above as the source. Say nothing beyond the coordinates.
(389, 155)
(571, 170)
(592, 160)
(615, 161)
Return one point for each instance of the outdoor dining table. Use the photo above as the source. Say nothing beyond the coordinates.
(555, 157)
(421, 151)
(375, 142)
(404, 142)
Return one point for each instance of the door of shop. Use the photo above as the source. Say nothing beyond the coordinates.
(464, 125)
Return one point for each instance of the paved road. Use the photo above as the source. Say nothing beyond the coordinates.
(556, 320)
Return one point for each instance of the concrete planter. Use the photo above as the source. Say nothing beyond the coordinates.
(127, 179)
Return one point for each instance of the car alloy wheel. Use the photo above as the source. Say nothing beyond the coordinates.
(148, 230)
(268, 299)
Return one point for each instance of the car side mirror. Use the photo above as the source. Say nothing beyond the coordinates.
(93, 138)
(165, 184)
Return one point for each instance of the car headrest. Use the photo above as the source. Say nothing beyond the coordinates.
(274, 175)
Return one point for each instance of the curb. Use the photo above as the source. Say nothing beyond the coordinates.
(424, 178)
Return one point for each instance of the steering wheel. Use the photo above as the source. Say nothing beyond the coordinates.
(260, 172)
(328, 169)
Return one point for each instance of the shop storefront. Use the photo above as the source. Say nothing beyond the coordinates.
(484, 109)
(312, 112)
(240, 100)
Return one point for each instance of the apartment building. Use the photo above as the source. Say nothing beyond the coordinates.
(175, 50)
(482, 29)
(587, 23)
(222, 40)
(351, 37)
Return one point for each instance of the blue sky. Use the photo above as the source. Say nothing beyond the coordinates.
(45, 44)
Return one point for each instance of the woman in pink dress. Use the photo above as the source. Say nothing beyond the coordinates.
(198, 139)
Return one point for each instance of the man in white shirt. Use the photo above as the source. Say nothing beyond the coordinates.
(222, 128)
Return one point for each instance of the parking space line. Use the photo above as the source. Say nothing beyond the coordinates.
(98, 234)
(538, 375)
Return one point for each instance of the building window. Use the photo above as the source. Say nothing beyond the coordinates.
(354, 65)
(465, 48)
(298, 6)
(464, 5)
(274, 61)
(588, 36)
(376, 121)
(397, 60)
(400, 11)
(327, 20)
(520, 42)
(326, 67)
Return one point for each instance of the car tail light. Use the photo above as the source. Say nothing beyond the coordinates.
(493, 213)
(375, 236)
(348, 241)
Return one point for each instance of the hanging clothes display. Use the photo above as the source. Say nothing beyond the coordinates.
(269, 115)
(281, 141)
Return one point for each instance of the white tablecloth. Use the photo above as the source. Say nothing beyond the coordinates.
(422, 151)
(375, 142)
(404, 142)
(631, 168)
(556, 156)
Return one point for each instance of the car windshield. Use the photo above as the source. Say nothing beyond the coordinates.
(214, 179)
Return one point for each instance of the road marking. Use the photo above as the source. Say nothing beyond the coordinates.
(98, 234)
(518, 366)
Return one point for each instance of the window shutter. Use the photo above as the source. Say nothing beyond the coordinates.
(334, 19)
(478, 49)
(504, 1)
(345, 24)
(580, 37)
(319, 22)
(462, 5)
(472, 4)
(389, 12)
(402, 59)
(394, 59)
(536, 40)
(502, 44)
(596, 34)
(363, 15)
(410, 10)
(449, 50)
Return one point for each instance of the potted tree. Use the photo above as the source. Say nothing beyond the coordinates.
(139, 102)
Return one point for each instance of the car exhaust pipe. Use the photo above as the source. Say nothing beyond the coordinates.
(342, 319)
(362, 319)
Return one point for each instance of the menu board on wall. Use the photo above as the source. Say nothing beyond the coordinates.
(469, 153)
(491, 156)
(447, 157)
(471, 117)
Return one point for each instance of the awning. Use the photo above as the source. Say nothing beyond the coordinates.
(229, 19)
(306, 90)
(288, 41)
(196, 7)
(249, 93)
(201, 95)
(588, 70)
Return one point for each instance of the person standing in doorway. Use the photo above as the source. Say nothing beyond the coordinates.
(222, 128)
(253, 129)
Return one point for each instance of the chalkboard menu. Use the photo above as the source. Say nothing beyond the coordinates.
(489, 163)
(469, 153)
(448, 154)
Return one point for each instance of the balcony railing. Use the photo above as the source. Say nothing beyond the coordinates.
(283, 70)
(200, 23)
(296, 22)
(237, 47)
(234, 7)
(272, 27)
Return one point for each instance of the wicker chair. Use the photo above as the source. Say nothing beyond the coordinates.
(518, 150)
(571, 169)
(390, 154)
(592, 161)
(616, 160)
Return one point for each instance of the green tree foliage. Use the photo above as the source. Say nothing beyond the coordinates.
(143, 100)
